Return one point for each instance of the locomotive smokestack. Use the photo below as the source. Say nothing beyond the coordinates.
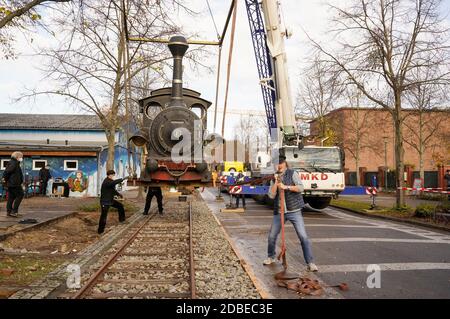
(178, 46)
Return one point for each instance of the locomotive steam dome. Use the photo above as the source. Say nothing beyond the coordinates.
(176, 118)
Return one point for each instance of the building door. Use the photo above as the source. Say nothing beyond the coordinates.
(369, 179)
(391, 183)
(431, 178)
(351, 179)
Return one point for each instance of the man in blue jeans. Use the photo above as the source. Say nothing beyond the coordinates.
(289, 181)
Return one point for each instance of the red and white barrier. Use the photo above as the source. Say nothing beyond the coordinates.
(371, 191)
(235, 190)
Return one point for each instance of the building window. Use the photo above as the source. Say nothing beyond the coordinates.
(71, 165)
(38, 164)
(4, 163)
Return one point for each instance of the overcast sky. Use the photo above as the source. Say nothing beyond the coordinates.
(245, 94)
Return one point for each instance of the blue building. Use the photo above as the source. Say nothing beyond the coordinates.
(74, 146)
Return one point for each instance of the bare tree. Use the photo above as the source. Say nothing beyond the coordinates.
(424, 124)
(10, 10)
(90, 65)
(379, 44)
(253, 133)
(318, 94)
(15, 15)
(141, 86)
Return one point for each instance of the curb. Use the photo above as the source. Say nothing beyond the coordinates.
(264, 294)
(395, 219)
(246, 267)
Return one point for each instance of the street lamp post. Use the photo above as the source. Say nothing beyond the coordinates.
(385, 163)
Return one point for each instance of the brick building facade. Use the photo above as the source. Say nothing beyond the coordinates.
(367, 136)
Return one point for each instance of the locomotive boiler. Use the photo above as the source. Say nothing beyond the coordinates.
(174, 123)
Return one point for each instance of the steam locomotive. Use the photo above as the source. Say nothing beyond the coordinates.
(174, 123)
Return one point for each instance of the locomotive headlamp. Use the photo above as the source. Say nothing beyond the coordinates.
(139, 138)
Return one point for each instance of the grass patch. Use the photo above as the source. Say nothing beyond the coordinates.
(95, 207)
(423, 213)
(357, 206)
(401, 210)
(443, 207)
(27, 269)
(433, 197)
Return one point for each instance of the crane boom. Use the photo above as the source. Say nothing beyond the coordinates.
(321, 169)
(268, 43)
(263, 60)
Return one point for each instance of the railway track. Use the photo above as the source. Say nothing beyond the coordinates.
(155, 261)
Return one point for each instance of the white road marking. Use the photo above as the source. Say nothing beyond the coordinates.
(392, 240)
(307, 225)
(392, 225)
(343, 226)
(387, 266)
(270, 217)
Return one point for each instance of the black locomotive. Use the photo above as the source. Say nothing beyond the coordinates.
(174, 123)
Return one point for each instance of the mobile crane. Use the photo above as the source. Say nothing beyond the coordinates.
(321, 168)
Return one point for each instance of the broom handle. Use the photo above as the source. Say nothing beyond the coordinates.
(283, 240)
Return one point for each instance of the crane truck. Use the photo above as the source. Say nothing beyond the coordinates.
(321, 169)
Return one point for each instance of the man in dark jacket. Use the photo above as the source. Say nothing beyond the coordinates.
(108, 191)
(240, 178)
(13, 179)
(44, 177)
(153, 191)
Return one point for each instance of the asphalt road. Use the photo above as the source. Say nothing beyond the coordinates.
(414, 262)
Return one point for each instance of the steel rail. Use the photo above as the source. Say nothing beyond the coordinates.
(191, 256)
(98, 276)
(95, 278)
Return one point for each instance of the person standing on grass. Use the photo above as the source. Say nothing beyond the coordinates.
(289, 181)
(13, 180)
(107, 193)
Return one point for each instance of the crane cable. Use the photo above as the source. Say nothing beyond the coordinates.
(230, 57)
(219, 62)
(213, 20)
